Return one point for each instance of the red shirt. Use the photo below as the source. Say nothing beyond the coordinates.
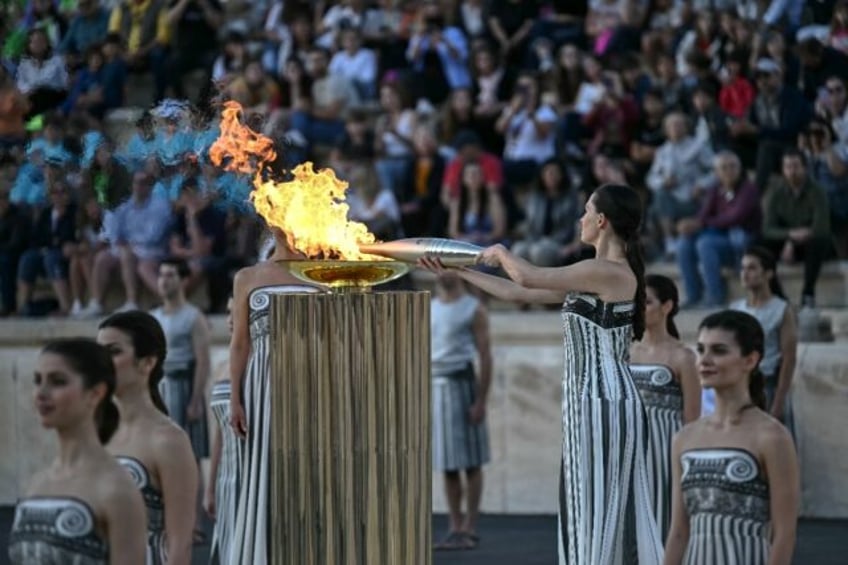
(490, 165)
(737, 97)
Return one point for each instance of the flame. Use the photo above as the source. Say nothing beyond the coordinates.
(310, 209)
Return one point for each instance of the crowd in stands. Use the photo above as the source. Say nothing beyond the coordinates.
(487, 121)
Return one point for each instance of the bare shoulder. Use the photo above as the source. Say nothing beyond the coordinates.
(682, 355)
(36, 483)
(611, 280)
(166, 437)
(115, 486)
(772, 435)
(688, 435)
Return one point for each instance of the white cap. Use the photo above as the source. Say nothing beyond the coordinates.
(767, 66)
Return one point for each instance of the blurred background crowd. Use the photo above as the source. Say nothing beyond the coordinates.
(487, 121)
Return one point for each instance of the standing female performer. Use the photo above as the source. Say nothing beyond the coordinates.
(605, 512)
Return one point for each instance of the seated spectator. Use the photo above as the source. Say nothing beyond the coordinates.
(14, 239)
(438, 55)
(832, 106)
(356, 63)
(778, 115)
(828, 167)
(716, 237)
(510, 23)
(38, 14)
(199, 237)
(137, 234)
(554, 208)
(818, 63)
(421, 210)
(276, 40)
(393, 138)
(372, 205)
(146, 32)
(737, 93)
(106, 179)
(796, 224)
(42, 76)
(667, 81)
(611, 121)
(195, 25)
(679, 176)
(356, 145)
(257, 93)
(711, 122)
(565, 77)
(50, 247)
(230, 64)
(528, 125)
(477, 214)
(457, 114)
(88, 28)
(471, 18)
(320, 120)
(648, 134)
(99, 87)
(838, 36)
(81, 261)
(347, 14)
(14, 107)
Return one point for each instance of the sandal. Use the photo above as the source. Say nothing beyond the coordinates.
(454, 541)
(472, 540)
(199, 537)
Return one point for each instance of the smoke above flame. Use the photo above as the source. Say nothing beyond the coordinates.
(310, 208)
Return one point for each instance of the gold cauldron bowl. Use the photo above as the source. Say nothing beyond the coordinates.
(345, 276)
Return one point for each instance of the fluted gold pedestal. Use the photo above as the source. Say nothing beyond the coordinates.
(350, 462)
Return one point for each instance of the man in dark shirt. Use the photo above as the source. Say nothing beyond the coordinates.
(199, 237)
(195, 40)
(797, 221)
(14, 232)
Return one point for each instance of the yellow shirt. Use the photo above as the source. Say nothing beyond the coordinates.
(137, 12)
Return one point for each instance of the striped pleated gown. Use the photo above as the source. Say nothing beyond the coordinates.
(727, 500)
(662, 397)
(227, 481)
(250, 534)
(605, 512)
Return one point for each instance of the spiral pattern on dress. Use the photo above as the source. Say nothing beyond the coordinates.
(741, 469)
(137, 473)
(661, 378)
(74, 521)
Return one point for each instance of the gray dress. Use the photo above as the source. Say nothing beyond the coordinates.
(177, 387)
(662, 397)
(727, 500)
(154, 505)
(457, 443)
(55, 531)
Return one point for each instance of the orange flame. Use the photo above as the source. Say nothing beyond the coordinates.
(310, 209)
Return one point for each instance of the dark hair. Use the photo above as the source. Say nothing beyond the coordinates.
(666, 291)
(93, 363)
(179, 264)
(622, 206)
(768, 263)
(748, 334)
(148, 340)
(791, 152)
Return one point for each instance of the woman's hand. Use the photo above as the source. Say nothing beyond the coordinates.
(432, 264)
(491, 256)
(238, 420)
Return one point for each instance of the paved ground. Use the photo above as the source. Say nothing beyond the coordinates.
(530, 540)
